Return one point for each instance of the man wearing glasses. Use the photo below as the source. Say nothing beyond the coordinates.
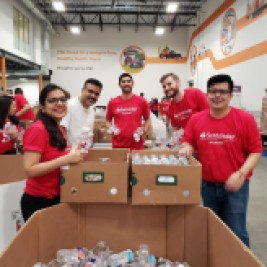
(229, 147)
(80, 111)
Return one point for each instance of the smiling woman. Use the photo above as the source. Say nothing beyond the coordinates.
(45, 150)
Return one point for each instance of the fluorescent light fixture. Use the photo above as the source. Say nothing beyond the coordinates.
(159, 30)
(171, 7)
(58, 6)
(75, 29)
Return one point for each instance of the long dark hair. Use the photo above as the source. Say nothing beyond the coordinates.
(56, 137)
(5, 103)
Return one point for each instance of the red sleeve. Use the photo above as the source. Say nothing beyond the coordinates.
(34, 139)
(22, 100)
(189, 133)
(252, 138)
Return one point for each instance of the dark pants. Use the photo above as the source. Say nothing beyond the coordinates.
(30, 204)
(231, 207)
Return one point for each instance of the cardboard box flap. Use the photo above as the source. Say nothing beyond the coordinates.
(59, 227)
(11, 167)
(23, 250)
(227, 249)
(127, 227)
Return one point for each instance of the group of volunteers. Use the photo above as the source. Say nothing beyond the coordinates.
(226, 139)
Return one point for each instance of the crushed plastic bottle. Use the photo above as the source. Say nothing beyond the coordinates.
(113, 129)
(86, 139)
(137, 134)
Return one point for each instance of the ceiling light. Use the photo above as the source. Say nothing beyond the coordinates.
(58, 6)
(75, 29)
(171, 7)
(159, 30)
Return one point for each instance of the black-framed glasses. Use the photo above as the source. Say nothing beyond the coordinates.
(55, 100)
(215, 91)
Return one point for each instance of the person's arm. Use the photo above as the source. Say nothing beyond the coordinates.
(146, 125)
(33, 167)
(25, 108)
(236, 179)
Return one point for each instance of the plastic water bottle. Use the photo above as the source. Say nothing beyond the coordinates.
(86, 139)
(137, 134)
(121, 258)
(143, 255)
(113, 129)
(9, 127)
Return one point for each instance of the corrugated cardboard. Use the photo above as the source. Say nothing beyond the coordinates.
(148, 190)
(185, 233)
(95, 181)
(11, 169)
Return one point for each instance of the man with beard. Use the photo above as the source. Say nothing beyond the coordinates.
(184, 102)
(81, 114)
(127, 111)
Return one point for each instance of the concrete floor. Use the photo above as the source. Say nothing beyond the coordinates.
(257, 211)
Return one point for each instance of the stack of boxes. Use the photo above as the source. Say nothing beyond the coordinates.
(98, 205)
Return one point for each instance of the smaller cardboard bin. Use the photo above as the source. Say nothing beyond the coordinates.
(165, 184)
(11, 167)
(101, 178)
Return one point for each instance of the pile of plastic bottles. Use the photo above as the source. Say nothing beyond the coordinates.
(101, 256)
(159, 160)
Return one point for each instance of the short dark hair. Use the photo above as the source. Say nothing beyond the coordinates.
(220, 78)
(125, 74)
(170, 74)
(93, 81)
(18, 91)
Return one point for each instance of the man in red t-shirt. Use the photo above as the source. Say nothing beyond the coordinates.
(23, 109)
(125, 114)
(229, 147)
(184, 103)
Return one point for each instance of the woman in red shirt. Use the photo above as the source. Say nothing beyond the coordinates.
(9, 129)
(45, 151)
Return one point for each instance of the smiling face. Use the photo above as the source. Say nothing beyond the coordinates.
(170, 87)
(219, 97)
(55, 105)
(90, 94)
(126, 85)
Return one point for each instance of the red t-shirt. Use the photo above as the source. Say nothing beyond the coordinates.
(193, 101)
(223, 144)
(163, 107)
(127, 115)
(36, 139)
(21, 101)
(6, 143)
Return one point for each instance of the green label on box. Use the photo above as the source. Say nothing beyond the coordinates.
(166, 179)
(62, 180)
(93, 177)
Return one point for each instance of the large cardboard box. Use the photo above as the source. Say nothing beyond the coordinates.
(185, 233)
(101, 178)
(165, 184)
(11, 169)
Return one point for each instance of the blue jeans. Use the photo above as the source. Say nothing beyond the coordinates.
(230, 207)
